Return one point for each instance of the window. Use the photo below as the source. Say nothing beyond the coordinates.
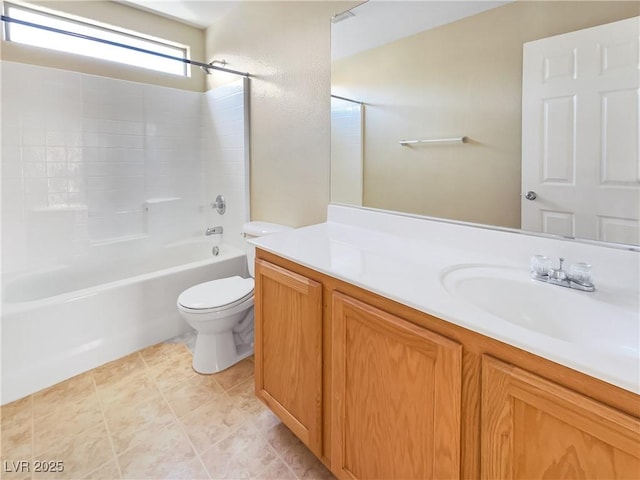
(77, 43)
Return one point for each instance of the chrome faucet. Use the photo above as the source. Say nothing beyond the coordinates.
(578, 278)
(558, 274)
(213, 231)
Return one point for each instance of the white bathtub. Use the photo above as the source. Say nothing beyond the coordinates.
(64, 321)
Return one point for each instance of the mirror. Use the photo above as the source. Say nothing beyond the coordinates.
(451, 88)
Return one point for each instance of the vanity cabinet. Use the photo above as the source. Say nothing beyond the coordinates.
(379, 390)
(396, 396)
(288, 349)
(534, 428)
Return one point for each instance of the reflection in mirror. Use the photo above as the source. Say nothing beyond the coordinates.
(463, 77)
(346, 150)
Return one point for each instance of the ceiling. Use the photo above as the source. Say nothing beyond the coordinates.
(198, 13)
(375, 23)
(379, 22)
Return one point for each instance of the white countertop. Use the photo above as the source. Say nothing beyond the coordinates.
(408, 269)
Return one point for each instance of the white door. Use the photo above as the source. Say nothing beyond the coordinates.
(580, 108)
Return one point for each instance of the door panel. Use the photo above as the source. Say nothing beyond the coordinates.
(396, 396)
(580, 133)
(288, 349)
(533, 428)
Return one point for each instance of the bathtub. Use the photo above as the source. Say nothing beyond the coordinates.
(64, 321)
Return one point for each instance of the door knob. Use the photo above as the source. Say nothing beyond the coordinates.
(531, 195)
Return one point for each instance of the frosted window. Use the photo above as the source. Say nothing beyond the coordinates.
(29, 35)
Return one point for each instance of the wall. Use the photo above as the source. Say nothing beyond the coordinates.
(465, 79)
(93, 164)
(227, 158)
(125, 17)
(286, 48)
(347, 157)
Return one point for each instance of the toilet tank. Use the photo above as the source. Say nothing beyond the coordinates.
(258, 229)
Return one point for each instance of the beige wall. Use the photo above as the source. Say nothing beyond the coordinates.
(286, 48)
(126, 17)
(464, 79)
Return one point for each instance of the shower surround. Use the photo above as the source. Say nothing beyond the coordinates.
(98, 172)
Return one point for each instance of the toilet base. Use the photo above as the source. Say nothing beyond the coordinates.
(215, 352)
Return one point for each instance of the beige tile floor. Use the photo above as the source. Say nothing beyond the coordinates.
(150, 416)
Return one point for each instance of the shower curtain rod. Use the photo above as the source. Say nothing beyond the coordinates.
(346, 99)
(205, 66)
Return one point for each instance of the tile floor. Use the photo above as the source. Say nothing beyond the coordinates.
(150, 416)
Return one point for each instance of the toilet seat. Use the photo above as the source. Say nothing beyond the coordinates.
(216, 295)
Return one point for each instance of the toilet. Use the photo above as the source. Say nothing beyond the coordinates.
(221, 311)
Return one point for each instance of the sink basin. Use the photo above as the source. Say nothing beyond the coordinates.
(577, 317)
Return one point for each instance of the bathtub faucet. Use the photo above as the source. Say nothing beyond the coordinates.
(213, 231)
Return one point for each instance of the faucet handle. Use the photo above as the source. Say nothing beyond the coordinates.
(540, 266)
(580, 273)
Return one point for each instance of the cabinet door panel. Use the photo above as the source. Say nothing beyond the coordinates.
(396, 396)
(533, 428)
(288, 349)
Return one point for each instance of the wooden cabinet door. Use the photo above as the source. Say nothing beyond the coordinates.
(533, 428)
(396, 396)
(288, 349)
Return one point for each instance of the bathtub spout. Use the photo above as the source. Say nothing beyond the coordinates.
(213, 231)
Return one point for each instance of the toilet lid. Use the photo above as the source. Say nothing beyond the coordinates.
(216, 293)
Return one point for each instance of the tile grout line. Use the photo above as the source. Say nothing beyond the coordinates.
(229, 433)
(279, 457)
(147, 372)
(182, 429)
(106, 425)
(264, 437)
(247, 421)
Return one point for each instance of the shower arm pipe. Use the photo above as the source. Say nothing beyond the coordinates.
(205, 66)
